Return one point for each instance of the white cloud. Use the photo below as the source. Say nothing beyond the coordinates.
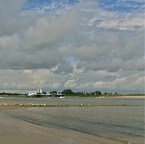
(114, 84)
(70, 84)
(140, 82)
(83, 48)
(110, 20)
(117, 83)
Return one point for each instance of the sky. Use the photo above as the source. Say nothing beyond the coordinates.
(82, 45)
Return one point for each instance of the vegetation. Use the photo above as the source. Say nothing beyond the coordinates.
(10, 94)
(69, 92)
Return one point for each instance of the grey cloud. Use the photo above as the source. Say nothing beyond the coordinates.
(111, 51)
(64, 67)
(41, 42)
(9, 16)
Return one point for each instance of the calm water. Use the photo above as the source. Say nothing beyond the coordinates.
(125, 122)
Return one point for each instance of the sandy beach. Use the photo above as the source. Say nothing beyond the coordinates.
(14, 131)
(131, 97)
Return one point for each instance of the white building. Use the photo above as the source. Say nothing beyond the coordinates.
(40, 91)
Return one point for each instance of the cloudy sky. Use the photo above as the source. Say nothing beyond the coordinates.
(83, 45)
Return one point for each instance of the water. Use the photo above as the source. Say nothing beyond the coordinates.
(76, 100)
(123, 122)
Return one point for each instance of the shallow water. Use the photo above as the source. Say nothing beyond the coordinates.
(123, 122)
(76, 100)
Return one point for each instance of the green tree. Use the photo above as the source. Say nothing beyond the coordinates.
(98, 93)
(67, 92)
(53, 92)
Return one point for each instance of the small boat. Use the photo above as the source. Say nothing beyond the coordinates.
(59, 95)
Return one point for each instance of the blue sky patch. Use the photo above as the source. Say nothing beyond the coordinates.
(48, 5)
(122, 5)
(109, 5)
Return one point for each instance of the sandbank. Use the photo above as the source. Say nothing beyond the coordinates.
(130, 96)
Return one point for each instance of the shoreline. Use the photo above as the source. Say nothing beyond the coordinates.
(20, 131)
(132, 97)
(127, 97)
(99, 96)
(15, 131)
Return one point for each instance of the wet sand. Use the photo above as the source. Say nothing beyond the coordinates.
(14, 131)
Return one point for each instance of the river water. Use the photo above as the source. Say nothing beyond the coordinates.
(114, 118)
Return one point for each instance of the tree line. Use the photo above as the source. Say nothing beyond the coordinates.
(69, 92)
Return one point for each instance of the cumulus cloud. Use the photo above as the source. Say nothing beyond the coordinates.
(47, 31)
(70, 84)
(85, 47)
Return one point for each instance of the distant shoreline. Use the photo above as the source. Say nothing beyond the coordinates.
(130, 96)
(77, 96)
(124, 96)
